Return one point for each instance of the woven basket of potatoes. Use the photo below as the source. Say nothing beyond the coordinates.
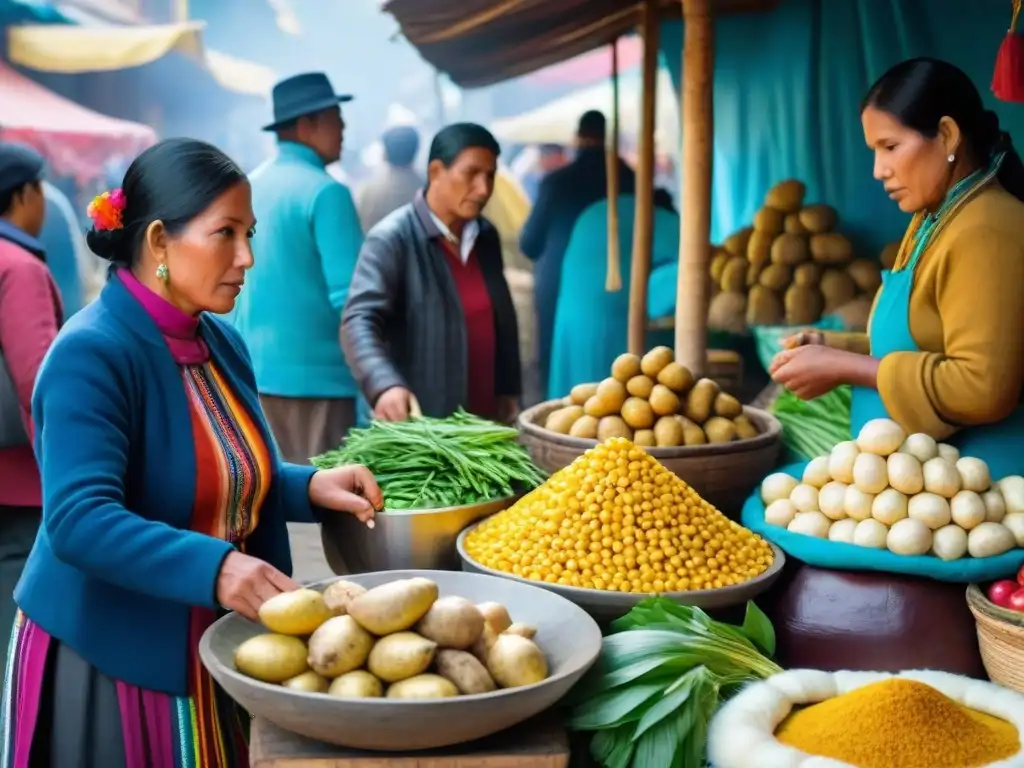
(789, 268)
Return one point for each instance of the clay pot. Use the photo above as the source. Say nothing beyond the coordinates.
(833, 620)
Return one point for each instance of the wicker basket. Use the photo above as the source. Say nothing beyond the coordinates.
(1001, 639)
(723, 474)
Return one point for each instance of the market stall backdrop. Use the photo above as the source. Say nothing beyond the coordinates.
(788, 87)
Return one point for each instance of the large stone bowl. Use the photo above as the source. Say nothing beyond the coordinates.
(723, 474)
(606, 606)
(569, 637)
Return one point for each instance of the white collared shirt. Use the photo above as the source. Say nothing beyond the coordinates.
(469, 235)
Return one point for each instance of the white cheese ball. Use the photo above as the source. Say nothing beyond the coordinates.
(989, 540)
(909, 537)
(921, 446)
(869, 473)
(905, 473)
(804, 497)
(995, 506)
(974, 474)
(780, 512)
(811, 523)
(881, 437)
(840, 461)
(816, 472)
(832, 500)
(777, 486)
(948, 453)
(842, 530)
(930, 509)
(941, 478)
(870, 533)
(889, 507)
(1012, 488)
(949, 542)
(1014, 523)
(967, 509)
(857, 504)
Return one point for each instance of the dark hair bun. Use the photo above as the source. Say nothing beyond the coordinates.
(106, 243)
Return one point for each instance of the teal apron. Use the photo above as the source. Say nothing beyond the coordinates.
(1001, 445)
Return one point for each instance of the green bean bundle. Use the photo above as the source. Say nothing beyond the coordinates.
(428, 463)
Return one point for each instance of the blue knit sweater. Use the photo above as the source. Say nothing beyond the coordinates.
(115, 568)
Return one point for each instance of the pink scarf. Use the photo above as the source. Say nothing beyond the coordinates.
(180, 330)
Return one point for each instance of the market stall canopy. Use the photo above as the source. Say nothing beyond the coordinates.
(69, 49)
(556, 121)
(480, 42)
(75, 140)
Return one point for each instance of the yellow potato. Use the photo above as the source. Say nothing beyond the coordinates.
(692, 433)
(271, 658)
(644, 438)
(720, 430)
(759, 250)
(495, 615)
(637, 413)
(523, 630)
(463, 669)
(613, 426)
(483, 644)
(423, 687)
(640, 386)
(561, 420)
(585, 427)
(652, 363)
(663, 401)
(727, 406)
(308, 682)
(770, 221)
(514, 661)
(668, 432)
(394, 606)
(339, 594)
(581, 393)
(358, 684)
(736, 243)
(676, 377)
(400, 656)
(786, 196)
(608, 400)
(452, 622)
(625, 367)
(298, 612)
(700, 401)
(745, 428)
(339, 645)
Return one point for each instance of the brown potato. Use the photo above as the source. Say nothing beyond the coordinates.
(734, 276)
(664, 401)
(561, 421)
(625, 367)
(777, 277)
(866, 275)
(764, 307)
(754, 272)
(736, 243)
(726, 312)
(793, 224)
(652, 363)
(837, 288)
(803, 305)
(676, 377)
(637, 413)
(340, 593)
(889, 254)
(787, 196)
(819, 218)
(464, 670)
(640, 386)
(831, 248)
(700, 400)
(807, 275)
(759, 249)
(720, 430)
(745, 428)
(718, 262)
(581, 393)
(613, 426)
(608, 400)
(692, 433)
(644, 438)
(769, 220)
(668, 431)
(585, 427)
(728, 406)
(789, 249)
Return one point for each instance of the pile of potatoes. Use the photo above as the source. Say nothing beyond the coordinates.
(654, 402)
(905, 493)
(791, 267)
(399, 640)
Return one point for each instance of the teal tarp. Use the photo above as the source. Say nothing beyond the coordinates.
(788, 86)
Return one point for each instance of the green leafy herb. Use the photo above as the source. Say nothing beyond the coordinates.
(662, 675)
(427, 463)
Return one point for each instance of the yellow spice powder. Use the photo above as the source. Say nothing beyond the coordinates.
(899, 723)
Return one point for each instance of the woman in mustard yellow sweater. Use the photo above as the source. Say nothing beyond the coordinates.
(944, 351)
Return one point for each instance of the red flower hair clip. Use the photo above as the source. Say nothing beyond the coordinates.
(105, 210)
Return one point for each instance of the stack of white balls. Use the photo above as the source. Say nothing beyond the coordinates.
(907, 494)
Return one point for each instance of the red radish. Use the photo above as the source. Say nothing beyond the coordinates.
(1001, 592)
(1017, 601)
(1020, 576)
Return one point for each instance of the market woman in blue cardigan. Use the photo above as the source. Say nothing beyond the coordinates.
(164, 496)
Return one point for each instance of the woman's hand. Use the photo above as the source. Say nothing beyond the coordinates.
(349, 489)
(393, 405)
(809, 371)
(804, 339)
(245, 583)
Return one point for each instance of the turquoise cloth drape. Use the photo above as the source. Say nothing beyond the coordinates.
(590, 323)
(788, 86)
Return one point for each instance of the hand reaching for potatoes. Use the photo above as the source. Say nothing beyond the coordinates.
(245, 583)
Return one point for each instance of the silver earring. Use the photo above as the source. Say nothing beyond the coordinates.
(163, 273)
(951, 159)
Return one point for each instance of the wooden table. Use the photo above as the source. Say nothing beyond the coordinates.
(538, 743)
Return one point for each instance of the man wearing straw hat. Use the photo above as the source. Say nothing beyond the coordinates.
(306, 243)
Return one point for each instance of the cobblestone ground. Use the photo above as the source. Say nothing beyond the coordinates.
(308, 560)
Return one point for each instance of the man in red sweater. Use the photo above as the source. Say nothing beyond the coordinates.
(30, 313)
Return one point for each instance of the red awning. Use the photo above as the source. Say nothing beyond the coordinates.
(76, 141)
(591, 67)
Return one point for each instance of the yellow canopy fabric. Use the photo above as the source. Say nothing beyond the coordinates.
(71, 49)
(508, 210)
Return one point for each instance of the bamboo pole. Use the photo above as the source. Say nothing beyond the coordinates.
(643, 221)
(613, 280)
(691, 332)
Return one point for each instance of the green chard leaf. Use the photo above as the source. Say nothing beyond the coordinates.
(613, 748)
(618, 706)
(658, 746)
(758, 627)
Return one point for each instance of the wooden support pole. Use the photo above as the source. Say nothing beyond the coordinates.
(613, 278)
(643, 221)
(691, 336)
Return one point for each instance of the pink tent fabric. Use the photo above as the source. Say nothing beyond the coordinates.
(75, 140)
(591, 67)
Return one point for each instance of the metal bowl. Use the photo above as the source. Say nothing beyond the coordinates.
(607, 606)
(403, 538)
(571, 640)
